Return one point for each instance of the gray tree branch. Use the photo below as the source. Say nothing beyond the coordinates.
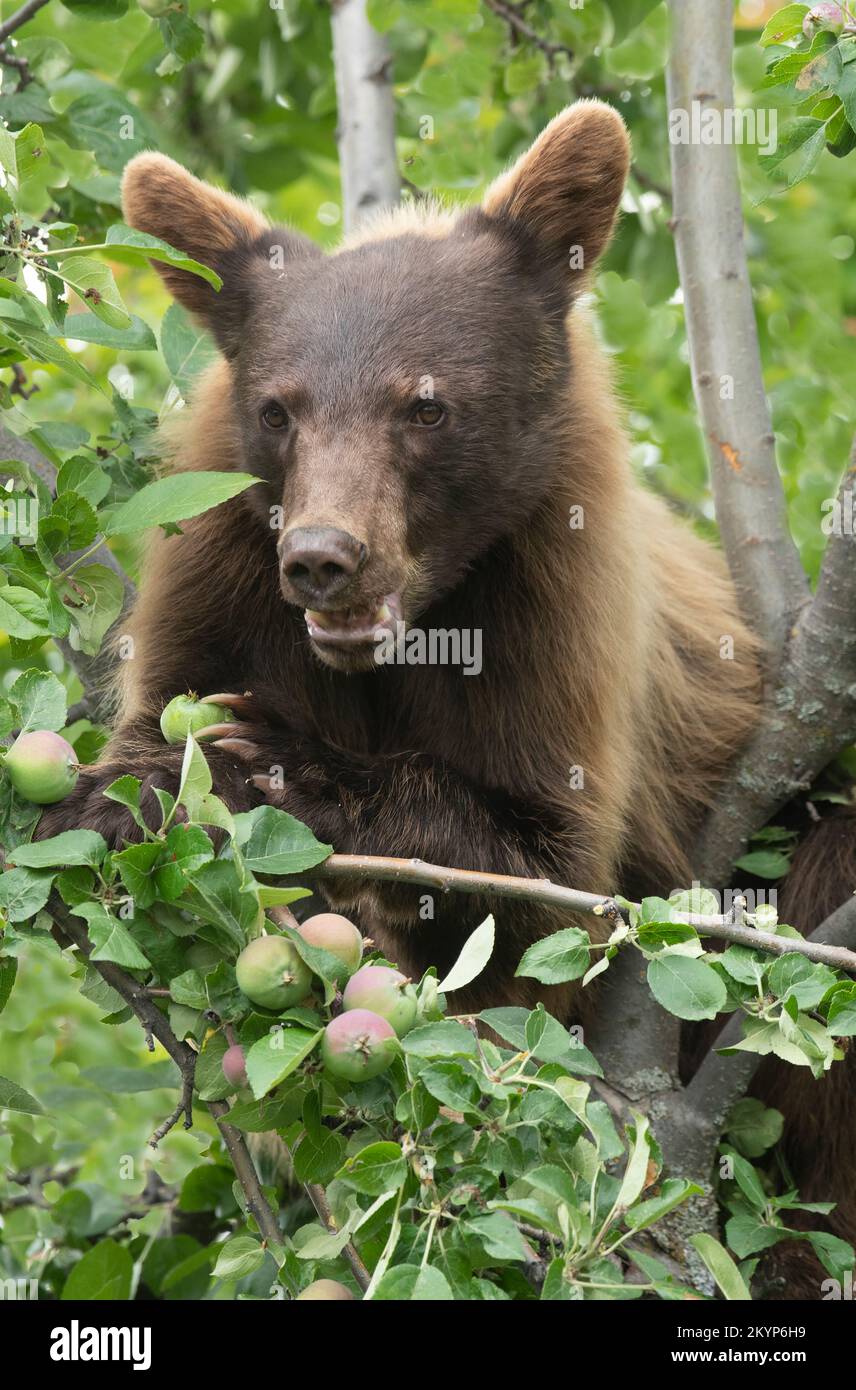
(20, 17)
(810, 714)
(366, 121)
(380, 868)
(723, 339)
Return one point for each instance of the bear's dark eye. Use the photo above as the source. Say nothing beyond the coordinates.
(274, 416)
(428, 414)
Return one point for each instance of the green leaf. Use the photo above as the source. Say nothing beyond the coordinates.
(126, 791)
(556, 1181)
(747, 1234)
(188, 848)
(240, 1256)
(375, 1169)
(135, 336)
(766, 863)
(451, 1084)
(322, 963)
(721, 1266)
(14, 1097)
(209, 1079)
(673, 1192)
(842, 1017)
(8, 972)
(636, 1173)
(555, 1043)
(562, 956)
(804, 138)
(744, 965)
(280, 897)
(71, 525)
(784, 24)
(643, 53)
(846, 90)
(71, 847)
(799, 978)
(38, 345)
(273, 842)
(499, 1235)
(214, 892)
(628, 14)
(103, 596)
(97, 9)
(753, 1127)
(413, 1283)
(260, 1117)
(93, 281)
(82, 476)
(749, 1183)
(187, 349)
(110, 938)
(189, 988)
(22, 613)
(277, 1055)
(195, 781)
(23, 893)
(317, 1160)
(41, 702)
(835, 1254)
(136, 868)
(446, 1039)
(140, 245)
(106, 122)
(177, 498)
(476, 952)
(686, 987)
(104, 1273)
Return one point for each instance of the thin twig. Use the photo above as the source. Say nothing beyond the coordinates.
(257, 1203)
(157, 1025)
(542, 890)
(20, 17)
(10, 59)
(518, 25)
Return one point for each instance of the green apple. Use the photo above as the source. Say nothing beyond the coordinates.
(42, 766)
(358, 1045)
(271, 973)
(186, 714)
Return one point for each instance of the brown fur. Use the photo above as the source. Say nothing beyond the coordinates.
(602, 645)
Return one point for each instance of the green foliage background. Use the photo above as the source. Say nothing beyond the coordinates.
(243, 94)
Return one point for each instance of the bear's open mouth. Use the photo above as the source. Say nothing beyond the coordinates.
(356, 626)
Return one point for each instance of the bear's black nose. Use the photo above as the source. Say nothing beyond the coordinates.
(319, 561)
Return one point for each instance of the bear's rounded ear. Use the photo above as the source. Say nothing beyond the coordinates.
(218, 230)
(566, 189)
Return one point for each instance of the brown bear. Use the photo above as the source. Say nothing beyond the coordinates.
(438, 444)
(437, 432)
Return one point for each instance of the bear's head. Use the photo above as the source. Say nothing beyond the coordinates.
(404, 399)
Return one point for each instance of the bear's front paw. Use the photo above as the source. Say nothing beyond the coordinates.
(288, 772)
(87, 808)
